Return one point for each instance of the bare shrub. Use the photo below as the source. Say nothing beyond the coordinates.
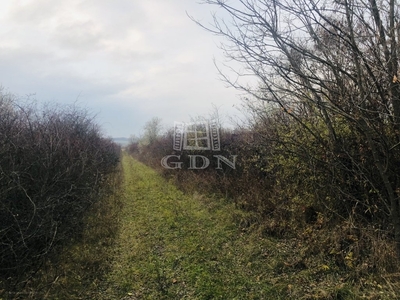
(52, 163)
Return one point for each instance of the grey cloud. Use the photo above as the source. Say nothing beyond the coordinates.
(127, 60)
(78, 36)
(34, 12)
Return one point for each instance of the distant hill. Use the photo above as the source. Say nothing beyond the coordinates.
(121, 141)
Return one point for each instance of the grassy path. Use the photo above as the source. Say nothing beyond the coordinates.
(148, 240)
(175, 246)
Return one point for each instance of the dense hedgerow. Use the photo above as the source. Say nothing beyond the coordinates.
(52, 164)
(280, 163)
(293, 178)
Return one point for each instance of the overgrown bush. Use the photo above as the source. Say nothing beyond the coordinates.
(53, 162)
(293, 178)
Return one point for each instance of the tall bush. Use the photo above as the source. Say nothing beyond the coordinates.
(52, 165)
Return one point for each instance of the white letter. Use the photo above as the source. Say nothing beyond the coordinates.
(226, 161)
(205, 160)
(176, 165)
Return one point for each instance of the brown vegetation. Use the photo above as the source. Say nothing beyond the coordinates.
(327, 201)
(53, 163)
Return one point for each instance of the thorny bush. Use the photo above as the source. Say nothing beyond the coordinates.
(52, 164)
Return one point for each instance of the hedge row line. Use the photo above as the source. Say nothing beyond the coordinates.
(53, 163)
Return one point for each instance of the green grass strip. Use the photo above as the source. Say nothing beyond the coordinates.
(176, 246)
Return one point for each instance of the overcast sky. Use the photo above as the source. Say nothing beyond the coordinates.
(125, 60)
